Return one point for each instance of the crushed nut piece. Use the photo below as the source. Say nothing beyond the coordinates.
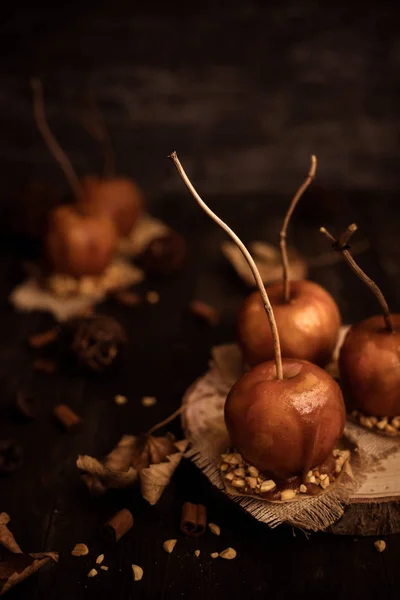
(253, 472)
(104, 568)
(197, 553)
(390, 429)
(303, 488)
(233, 459)
(382, 423)
(267, 486)
(396, 422)
(169, 545)
(287, 494)
(238, 483)
(80, 550)
(240, 472)
(137, 572)
(99, 559)
(251, 482)
(148, 401)
(224, 466)
(152, 297)
(92, 573)
(214, 554)
(325, 482)
(380, 545)
(120, 400)
(215, 529)
(228, 554)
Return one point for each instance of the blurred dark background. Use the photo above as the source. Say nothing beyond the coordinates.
(245, 91)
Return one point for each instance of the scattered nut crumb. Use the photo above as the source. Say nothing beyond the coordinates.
(228, 554)
(99, 559)
(152, 297)
(148, 401)
(92, 573)
(197, 553)
(137, 572)
(287, 494)
(104, 568)
(169, 545)
(214, 554)
(380, 545)
(80, 550)
(120, 400)
(215, 529)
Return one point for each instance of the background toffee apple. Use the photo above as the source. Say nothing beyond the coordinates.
(307, 316)
(74, 243)
(109, 194)
(369, 359)
(283, 416)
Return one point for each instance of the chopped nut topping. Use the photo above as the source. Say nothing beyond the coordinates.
(238, 483)
(380, 545)
(80, 550)
(120, 400)
(215, 529)
(228, 554)
(240, 472)
(287, 494)
(253, 472)
(148, 401)
(214, 554)
(137, 572)
(197, 553)
(92, 573)
(267, 486)
(152, 297)
(99, 559)
(169, 545)
(251, 482)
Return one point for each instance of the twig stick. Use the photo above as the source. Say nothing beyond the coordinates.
(167, 420)
(342, 246)
(248, 257)
(52, 144)
(94, 123)
(284, 255)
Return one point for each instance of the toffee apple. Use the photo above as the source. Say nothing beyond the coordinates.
(369, 359)
(283, 416)
(74, 243)
(306, 314)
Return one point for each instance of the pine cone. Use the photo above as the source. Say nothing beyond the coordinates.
(94, 341)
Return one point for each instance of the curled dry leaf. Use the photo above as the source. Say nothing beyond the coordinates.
(15, 565)
(151, 460)
(268, 261)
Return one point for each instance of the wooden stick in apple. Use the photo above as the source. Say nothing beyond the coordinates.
(369, 359)
(284, 255)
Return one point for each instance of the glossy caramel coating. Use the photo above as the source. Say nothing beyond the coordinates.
(308, 324)
(118, 197)
(369, 365)
(285, 427)
(79, 245)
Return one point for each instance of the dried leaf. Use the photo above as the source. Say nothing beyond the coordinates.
(268, 261)
(15, 566)
(155, 478)
(147, 229)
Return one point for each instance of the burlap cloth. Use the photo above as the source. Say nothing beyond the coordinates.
(203, 422)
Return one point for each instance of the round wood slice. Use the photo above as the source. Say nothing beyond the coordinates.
(375, 508)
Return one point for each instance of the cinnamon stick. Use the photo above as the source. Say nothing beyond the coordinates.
(193, 519)
(118, 525)
(67, 418)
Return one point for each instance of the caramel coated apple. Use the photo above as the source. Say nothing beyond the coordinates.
(285, 427)
(308, 324)
(118, 197)
(77, 244)
(369, 365)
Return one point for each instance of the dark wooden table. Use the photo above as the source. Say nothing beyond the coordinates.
(51, 509)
